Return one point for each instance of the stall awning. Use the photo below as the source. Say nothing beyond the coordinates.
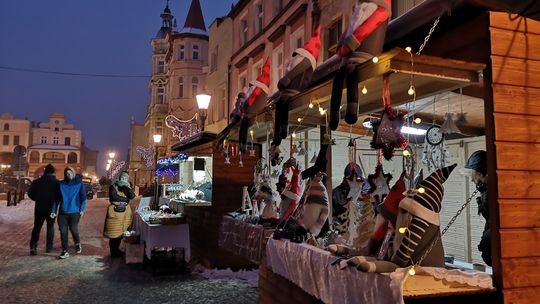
(195, 140)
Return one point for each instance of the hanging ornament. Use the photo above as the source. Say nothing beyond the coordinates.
(147, 154)
(246, 200)
(183, 129)
(461, 117)
(379, 182)
(449, 126)
(387, 131)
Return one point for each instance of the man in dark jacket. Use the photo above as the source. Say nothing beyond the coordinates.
(45, 192)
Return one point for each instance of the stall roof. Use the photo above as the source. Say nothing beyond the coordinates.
(194, 141)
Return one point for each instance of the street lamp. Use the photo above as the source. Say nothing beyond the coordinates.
(203, 101)
(112, 155)
(157, 140)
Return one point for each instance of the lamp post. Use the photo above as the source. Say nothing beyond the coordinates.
(157, 140)
(203, 101)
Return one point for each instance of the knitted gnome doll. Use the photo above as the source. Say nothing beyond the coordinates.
(290, 197)
(362, 41)
(418, 220)
(246, 107)
(297, 77)
(314, 210)
(265, 197)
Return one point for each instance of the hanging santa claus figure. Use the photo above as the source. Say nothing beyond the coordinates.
(247, 105)
(362, 41)
(296, 79)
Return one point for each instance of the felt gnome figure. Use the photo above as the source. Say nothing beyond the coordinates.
(265, 198)
(248, 104)
(363, 40)
(418, 225)
(296, 78)
(291, 197)
(314, 210)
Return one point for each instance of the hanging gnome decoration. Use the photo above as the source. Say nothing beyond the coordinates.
(419, 238)
(290, 197)
(247, 105)
(362, 41)
(314, 210)
(264, 197)
(296, 79)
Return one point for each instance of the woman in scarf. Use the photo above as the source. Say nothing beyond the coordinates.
(118, 217)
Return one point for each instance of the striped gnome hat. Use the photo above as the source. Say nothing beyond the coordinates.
(261, 84)
(422, 222)
(315, 208)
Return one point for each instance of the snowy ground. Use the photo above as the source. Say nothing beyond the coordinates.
(93, 277)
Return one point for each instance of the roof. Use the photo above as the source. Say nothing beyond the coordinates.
(53, 147)
(194, 20)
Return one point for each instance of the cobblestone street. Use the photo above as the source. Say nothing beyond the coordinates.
(93, 277)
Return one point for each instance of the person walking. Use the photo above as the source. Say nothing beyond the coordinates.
(70, 210)
(118, 217)
(44, 191)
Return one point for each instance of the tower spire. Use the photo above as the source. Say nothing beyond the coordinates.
(166, 22)
(194, 20)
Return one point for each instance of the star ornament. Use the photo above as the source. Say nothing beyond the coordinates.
(387, 134)
(379, 182)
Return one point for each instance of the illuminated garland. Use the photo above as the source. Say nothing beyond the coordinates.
(167, 172)
(147, 154)
(116, 167)
(183, 128)
(173, 160)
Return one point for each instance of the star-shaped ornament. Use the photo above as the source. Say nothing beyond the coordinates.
(387, 133)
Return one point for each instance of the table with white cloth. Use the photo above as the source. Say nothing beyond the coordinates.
(311, 269)
(157, 235)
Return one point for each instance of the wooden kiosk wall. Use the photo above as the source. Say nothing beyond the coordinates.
(515, 62)
(205, 221)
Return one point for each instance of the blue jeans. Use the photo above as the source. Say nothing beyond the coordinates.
(71, 221)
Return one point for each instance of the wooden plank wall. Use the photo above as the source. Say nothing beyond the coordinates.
(515, 58)
(205, 222)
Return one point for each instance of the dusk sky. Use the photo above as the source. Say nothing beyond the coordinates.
(90, 37)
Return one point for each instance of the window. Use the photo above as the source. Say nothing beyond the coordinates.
(181, 54)
(6, 127)
(54, 157)
(180, 87)
(6, 140)
(159, 123)
(43, 139)
(55, 140)
(194, 86)
(72, 158)
(16, 140)
(160, 95)
(297, 38)
(277, 65)
(34, 157)
(242, 81)
(278, 6)
(214, 59)
(243, 31)
(258, 17)
(159, 130)
(67, 141)
(256, 69)
(195, 52)
(334, 33)
(56, 129)
(161, 67)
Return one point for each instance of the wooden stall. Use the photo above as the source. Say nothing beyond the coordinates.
(227, 182)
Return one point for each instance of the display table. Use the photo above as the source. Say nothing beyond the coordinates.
(157, 235)
(310, 269)
(243, 239)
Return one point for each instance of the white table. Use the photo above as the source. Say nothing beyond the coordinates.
(157, 235)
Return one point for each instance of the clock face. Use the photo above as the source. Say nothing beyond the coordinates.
(434, 136)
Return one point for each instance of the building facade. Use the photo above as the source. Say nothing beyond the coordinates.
(13, 132)
(137, 168)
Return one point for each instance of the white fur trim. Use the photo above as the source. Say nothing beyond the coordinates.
(260, 85)
(291, 195)
(308, 55)
(420, 211)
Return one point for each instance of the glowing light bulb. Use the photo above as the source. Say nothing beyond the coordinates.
(299, 119)
(411, 90)
(341, 107)
(421, 190)
(251, 133)
(402, 230)
(408, 49)
(406, 153)
(417, 120)
(311, 105)
(375, 59)
(412, 271)
(293, 135)
(364, 90)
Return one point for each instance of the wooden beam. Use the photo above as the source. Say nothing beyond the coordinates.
(519, 213)
(517, 243)
(516, 99)
(518, 184)
(517, 128)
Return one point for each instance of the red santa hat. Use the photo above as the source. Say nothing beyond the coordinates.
(311, 48)
(261, 83)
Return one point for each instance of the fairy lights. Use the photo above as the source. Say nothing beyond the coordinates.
(417, 120)
(402, 230)
(147, 154)
(375, 59)
(421, 190)
(411, 90)
(364, 90)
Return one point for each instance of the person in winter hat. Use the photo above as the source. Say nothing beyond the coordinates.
(419, 221)
(45, 191)
(363, 39)
(296, 78)
(476, 169)
(118, 218)
(70, 210)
